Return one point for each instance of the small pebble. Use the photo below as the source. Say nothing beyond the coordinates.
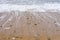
(35, 24)
(13, 38)
(49, 39)
(21, 37)
(27, 18)
(0, 26)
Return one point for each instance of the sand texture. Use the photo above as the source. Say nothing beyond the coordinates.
(29, 25)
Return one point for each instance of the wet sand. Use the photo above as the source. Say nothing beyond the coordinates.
(30, 25)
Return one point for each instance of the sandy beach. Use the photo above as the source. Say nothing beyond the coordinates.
(29, 25)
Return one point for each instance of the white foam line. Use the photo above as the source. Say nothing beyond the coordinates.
(9, 7)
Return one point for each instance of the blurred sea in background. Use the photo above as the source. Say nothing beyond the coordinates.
(28, 2)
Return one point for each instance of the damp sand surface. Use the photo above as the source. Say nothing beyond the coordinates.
(28, 25)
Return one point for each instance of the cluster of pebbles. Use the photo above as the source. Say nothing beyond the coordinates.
(29, 25)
